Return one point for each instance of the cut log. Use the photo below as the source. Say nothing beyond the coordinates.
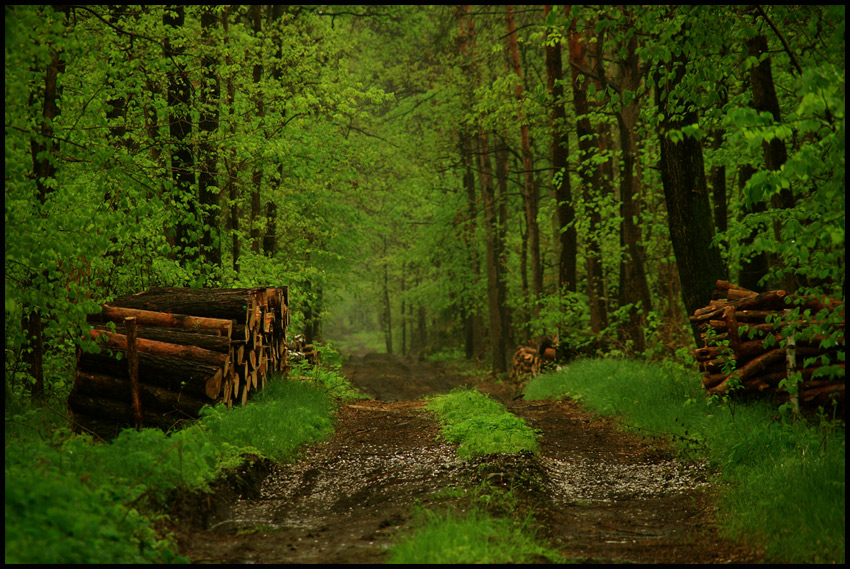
(182, 376)
(152, 398)
(207, 341)
(184, 351)
(85, 407)
(110, 313)
(750, 369)
(209, 303)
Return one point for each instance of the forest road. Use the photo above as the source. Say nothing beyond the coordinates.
(597, 494)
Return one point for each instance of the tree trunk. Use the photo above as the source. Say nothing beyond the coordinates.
(230, 304)
(775, 153)
(182, 160)
(44, 149)
(498, 350)
(634, 289)
(688, 208)
(530, 192)
(387, 317)
(270, 238)
(257, 179)
(231, 169)
(588, 173)
(501, 233)
(567, 251)
(208, 192)
(756, 266)
(195, 378)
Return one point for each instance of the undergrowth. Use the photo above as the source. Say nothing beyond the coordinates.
(782, 478)
(72, 500)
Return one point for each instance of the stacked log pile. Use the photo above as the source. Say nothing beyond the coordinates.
(193, 346)
(744, 346)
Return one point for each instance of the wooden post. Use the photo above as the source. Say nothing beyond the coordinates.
(791, 369)
(133, 365)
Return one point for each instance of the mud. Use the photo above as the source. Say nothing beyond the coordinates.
(597, 493)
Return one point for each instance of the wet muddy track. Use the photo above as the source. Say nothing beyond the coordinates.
(599, 494)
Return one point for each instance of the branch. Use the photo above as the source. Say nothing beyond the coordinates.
(781, 39)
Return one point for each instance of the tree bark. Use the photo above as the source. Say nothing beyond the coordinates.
(530, 191)
(231, 186)
(568, 240)
(501, 234)
(184, 200)
(588, 173)
(44, 148)
(257, 179)
(686, 194)
(208, 190)
(180, 375)
(634, 288)
(775, 153)
(229, 304)
(755, 267)
(498, 350)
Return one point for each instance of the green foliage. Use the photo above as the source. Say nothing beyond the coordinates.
(480, 425)
(783, 480)
(55, 518)
(69, 500)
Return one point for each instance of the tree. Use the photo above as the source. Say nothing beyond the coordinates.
(530, 191)
(183, 195)
(686, 192)
(208, 188)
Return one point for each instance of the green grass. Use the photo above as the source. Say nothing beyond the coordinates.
(70, 500)
(479, 424)
(782, 479)
(462, 526)
(468, 537)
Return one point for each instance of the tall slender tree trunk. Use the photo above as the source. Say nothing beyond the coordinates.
(775, 153)
(257, 178)
(634, 288)
(466, 43)
(231, 185)
(270, 236)
(754, 268)
(686, 195)
(498, 349)
(568, 240)
(588, 174)
(180, 130)
(208, 187)
(387, 306)
(530, 191)
(44, 148)
(501, 234)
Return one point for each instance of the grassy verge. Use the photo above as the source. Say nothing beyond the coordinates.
(782, 480)
(70, 500)
(470, 525)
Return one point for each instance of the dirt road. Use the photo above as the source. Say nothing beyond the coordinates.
(597, 493)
